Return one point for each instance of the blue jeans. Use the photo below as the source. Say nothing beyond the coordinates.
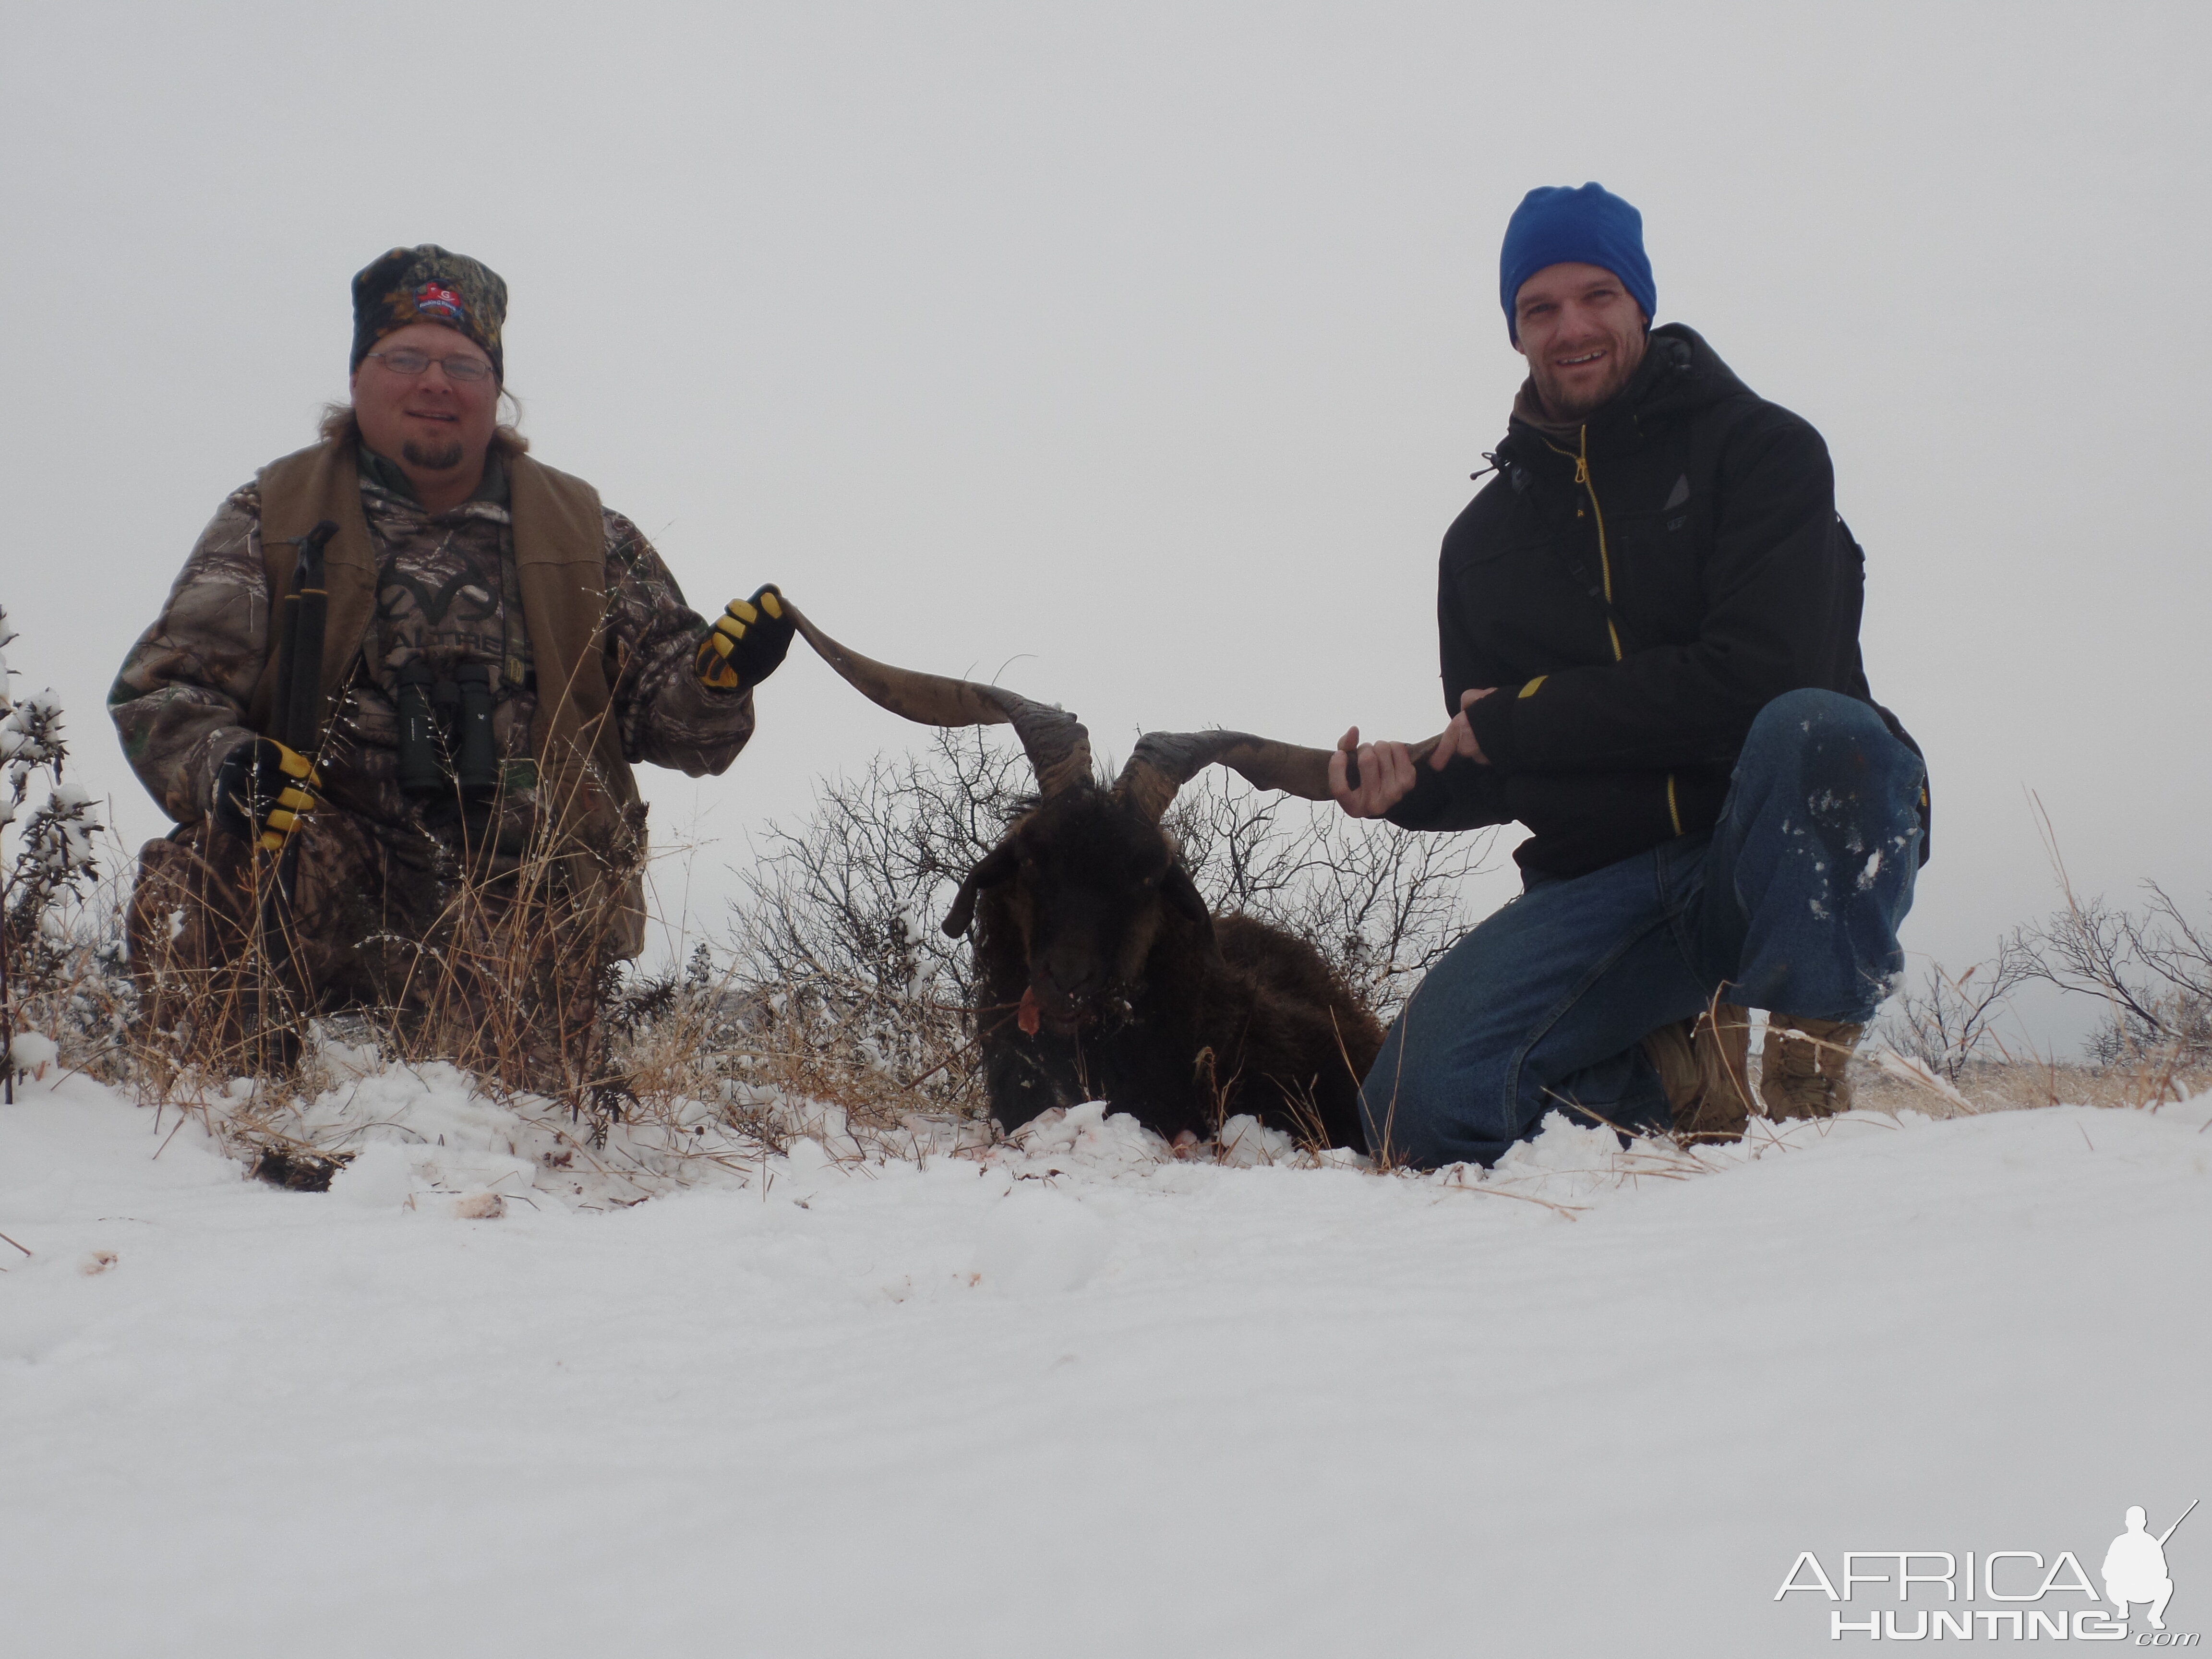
(1791, 903)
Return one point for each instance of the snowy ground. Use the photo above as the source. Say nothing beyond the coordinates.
(1077, 1398)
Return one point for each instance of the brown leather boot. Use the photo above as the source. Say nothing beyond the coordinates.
(1723, 1044)
(1807, 1075)
(1705, 1066)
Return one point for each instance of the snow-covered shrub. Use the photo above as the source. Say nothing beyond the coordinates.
(677, 1044)
(61, 974)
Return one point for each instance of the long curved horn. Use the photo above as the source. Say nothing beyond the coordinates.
(1058, 746)
(1163, 761)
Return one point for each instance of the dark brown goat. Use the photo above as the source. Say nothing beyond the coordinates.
(1104, 975)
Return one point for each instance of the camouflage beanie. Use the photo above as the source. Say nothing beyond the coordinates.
(427, 284)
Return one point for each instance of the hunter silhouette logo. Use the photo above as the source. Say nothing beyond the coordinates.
(1992, 1595)
(2135, 1566)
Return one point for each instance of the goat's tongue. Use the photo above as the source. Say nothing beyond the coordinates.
(1029, 1017)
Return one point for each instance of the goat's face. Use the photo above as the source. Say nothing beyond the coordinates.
(1090, 886)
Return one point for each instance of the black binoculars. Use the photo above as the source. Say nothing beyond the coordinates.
(445, 732)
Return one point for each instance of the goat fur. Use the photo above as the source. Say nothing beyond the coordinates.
(1144, 999)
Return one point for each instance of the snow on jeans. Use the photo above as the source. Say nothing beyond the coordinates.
(1790, 903)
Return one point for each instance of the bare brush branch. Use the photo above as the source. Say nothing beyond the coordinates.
(1381, 903)
(1947, 1022)
(2153, 972)
(2172, 947)
(837, 954)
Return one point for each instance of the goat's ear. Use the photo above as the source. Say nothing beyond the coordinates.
(1182, 892)
(995, 867)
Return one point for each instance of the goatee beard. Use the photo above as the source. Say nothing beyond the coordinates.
(1566, 406)
(443, 459)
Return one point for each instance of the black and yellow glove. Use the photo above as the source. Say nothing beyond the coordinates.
(261, 792)
(747, 642)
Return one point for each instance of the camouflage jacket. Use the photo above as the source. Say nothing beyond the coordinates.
(446, 592)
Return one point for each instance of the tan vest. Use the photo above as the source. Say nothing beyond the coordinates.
(561, 560)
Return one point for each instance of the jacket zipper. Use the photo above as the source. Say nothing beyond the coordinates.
(1605, 572)
(1604, 554)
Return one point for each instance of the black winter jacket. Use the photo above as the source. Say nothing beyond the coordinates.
(1637, 596)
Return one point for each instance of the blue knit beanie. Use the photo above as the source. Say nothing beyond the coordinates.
(1555, 225)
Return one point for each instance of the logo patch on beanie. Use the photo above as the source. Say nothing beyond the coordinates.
(431, 300)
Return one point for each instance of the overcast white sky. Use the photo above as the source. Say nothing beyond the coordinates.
(1144, 349)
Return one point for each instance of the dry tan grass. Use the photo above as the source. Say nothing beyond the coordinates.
(847, 1067)
(2148, 1081)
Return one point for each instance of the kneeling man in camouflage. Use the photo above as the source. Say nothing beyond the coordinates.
(436, 815)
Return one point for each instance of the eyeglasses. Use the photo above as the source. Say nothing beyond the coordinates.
(462, 371)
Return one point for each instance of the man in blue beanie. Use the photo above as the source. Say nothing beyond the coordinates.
(1650, 627)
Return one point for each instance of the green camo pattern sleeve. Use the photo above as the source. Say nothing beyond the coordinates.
(179, 703)
(667, 717)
